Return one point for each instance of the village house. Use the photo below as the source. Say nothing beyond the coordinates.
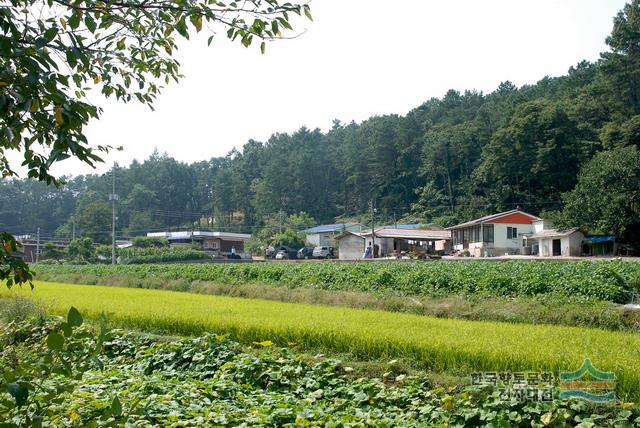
(32, 250)
(495, 235)
(392, 242)
(221, 242)
(548, 242)
(325, 234)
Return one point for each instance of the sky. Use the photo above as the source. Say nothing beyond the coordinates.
(357, 59)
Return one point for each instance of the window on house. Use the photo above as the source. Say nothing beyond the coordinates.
(512, 233)
(487, 233)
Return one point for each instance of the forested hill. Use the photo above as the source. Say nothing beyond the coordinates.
(566, 146)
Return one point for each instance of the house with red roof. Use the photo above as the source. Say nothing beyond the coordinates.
(496, 234)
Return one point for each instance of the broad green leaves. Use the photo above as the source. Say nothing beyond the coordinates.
(19, 392)
(74, 319)
(12, 269)
(116, 407)
(38, 381)
(55, 341)
(212, 381)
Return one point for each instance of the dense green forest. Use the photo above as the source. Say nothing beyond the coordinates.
(565, 147)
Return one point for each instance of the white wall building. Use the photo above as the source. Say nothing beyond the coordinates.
(324, 235)
(350, 246)
(495, 235)
(552, 242)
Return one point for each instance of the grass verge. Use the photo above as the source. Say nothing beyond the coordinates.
(438, 344)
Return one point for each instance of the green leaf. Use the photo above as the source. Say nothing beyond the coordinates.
(66, 329)
(19, 392)
(264, 343)
(263, 47)
(90, 23)
(74, 318)
(116, 407)
(98, 363)
(74, 21)
(181, 26)
(55, 342)
(50, 34)
(307, 12)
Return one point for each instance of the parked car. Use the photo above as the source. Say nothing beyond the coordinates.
(324, 253)
(284, 253)
(305, 253)
(270, 252)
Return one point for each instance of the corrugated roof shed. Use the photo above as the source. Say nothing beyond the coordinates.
(598, 239)
(413, 234)
(553, 233)
(329, 227)
(409, 226)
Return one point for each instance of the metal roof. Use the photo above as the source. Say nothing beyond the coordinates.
(491, 217)
(413, 234)
(200, 234)
(330, 227)
(553, 233)
(408, 226)
(598, 239)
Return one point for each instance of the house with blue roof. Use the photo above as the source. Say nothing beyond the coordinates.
(323, 235)
(429, 226)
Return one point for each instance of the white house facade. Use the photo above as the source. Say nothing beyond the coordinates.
(495, 235)
(552, 242)
(350, 246)
(324, 235)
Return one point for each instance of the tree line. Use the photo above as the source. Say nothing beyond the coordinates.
(565, 148)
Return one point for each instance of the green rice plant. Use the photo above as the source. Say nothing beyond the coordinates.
(440, 344)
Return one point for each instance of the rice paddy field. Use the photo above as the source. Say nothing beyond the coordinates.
(439, 344)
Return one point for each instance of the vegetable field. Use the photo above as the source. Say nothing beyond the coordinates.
(133, 380)
(438, 344)
(611, 281)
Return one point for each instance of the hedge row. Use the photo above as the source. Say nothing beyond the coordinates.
(601, 280)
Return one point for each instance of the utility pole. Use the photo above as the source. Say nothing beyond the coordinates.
(73, 228)
(113, 197)
(38, 245)
(373, 233)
